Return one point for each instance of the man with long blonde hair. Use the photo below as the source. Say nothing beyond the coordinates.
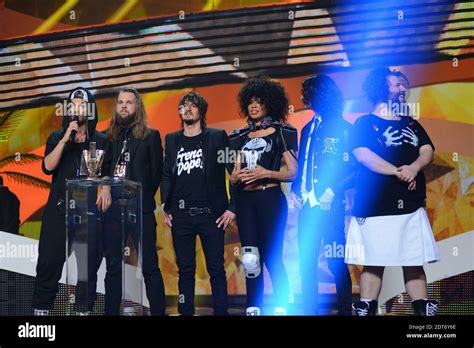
(137, 155)
(125, 117)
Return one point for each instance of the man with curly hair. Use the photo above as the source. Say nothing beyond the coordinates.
(325, 173)
(389, 224)
(261, 205)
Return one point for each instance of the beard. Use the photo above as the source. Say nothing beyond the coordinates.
(396, 99)
(402, 98)
(126, 122)
(190, 121)
(81, 120)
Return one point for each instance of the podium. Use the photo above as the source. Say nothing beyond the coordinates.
(92, 235)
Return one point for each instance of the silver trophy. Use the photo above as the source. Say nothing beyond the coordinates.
(251, 157)
(91, 161)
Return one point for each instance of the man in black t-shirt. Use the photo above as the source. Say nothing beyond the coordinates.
(195, 202)
(397, 142)
(390, 226)
(62, 160)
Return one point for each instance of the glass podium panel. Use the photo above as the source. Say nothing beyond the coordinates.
(115, 234)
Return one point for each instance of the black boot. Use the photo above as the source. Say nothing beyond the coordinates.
(365, 308)
(425, 308)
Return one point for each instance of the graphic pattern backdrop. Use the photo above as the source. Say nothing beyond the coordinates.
(212, 53)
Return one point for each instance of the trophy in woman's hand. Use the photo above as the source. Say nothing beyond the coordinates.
(251, 158)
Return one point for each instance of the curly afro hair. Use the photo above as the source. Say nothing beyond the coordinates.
(269, 93)
(323, 96)
(376, 85)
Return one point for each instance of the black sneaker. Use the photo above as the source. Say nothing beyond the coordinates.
(365, 308)
(425, 308)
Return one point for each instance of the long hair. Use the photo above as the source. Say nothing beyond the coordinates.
(200, 102)
(323, 96)
(139, 125)
(269, 93)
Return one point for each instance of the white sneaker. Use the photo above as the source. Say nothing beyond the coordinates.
(41, 312)
(252, 311)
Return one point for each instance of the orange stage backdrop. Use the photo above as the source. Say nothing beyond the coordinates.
(443, 89)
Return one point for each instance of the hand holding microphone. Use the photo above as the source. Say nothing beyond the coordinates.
(71, 131)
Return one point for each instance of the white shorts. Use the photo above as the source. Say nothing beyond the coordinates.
(391, 240)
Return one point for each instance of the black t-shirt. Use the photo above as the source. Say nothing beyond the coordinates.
(267, 151)
(261, 150)
(69, 166)
(190, 186)
(397, 142)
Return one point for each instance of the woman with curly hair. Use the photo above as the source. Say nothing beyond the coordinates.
(261, 205)
(325, 173)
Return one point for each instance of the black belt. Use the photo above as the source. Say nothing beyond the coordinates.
(197, 211)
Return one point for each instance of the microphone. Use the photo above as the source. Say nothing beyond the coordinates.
(73, 132)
